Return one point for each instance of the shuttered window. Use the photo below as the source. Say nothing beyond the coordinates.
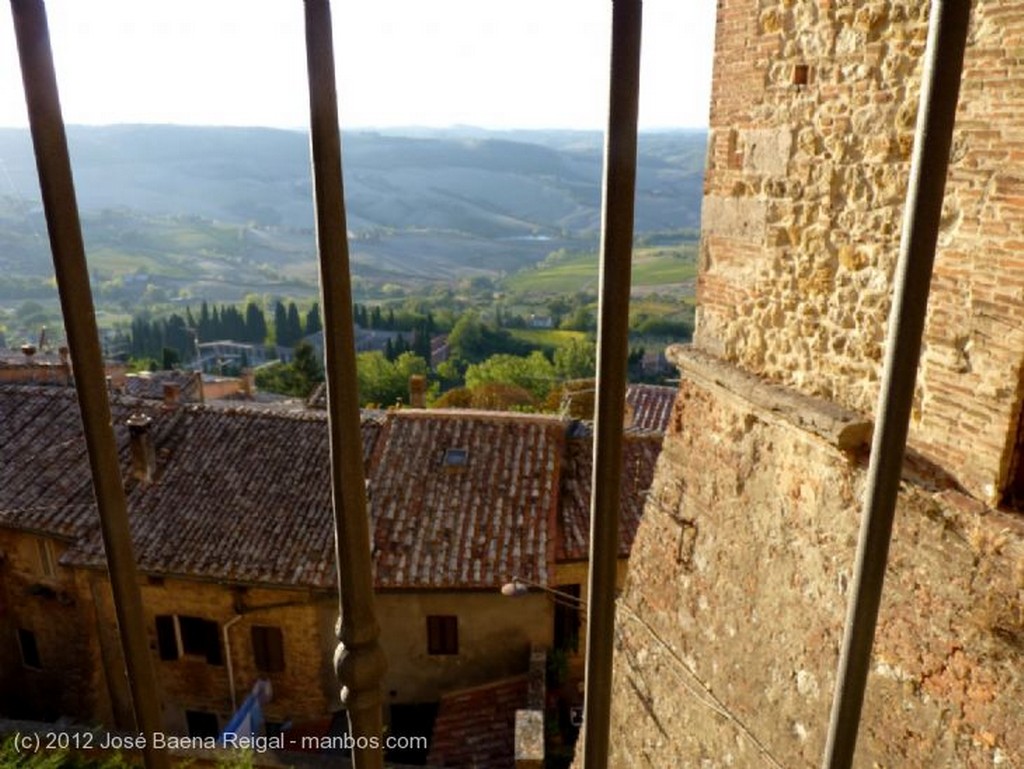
(442, 634)
(268, 648)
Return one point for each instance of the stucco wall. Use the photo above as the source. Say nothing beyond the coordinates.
(495, 634)
(729, 628)
(812, 116)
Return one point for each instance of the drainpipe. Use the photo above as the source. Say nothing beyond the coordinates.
(227, 656)
(62, 223)
(940, 86)
(612, 352)
(359, 660)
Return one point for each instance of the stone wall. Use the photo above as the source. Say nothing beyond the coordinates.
(813, 112)
(729, 628)
(304, 690)
(48, 607)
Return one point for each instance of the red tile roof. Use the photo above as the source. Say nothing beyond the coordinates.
(472, 524)
(243, 495)
(476, 728)
(651, 405)
(639, 455)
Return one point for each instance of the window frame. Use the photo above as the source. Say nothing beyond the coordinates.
(442, 635)
(185, 636)
(267, 648)
(28, 649)
(47, 558)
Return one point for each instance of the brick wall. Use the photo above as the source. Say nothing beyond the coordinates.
(730, 624)
(729, 628)
(812, 116)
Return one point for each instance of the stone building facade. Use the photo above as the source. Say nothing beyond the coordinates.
(234, 542)
(730, 623)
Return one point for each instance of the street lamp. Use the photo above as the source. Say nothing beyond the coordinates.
(518, 587)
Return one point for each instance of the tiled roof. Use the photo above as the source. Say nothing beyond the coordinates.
(239, 495)
(471, 524)
(639, 456)
(44, 474)
(244, 495)
(12, 358)
(475, 728)
(150, 385)
(651, 405)
(458, 499)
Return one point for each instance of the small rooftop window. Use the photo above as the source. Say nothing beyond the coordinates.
(455, 458)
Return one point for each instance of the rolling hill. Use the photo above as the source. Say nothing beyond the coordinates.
(219, 212)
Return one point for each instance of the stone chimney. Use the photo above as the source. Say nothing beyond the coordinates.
(143, 451)
(418, 391)
(172, 395)
(248, 382)
(578, 397)
(65, 363)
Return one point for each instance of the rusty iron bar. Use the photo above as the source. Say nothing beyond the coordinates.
(612, 352)
(359, 660)
(940, 86)
(57, 186)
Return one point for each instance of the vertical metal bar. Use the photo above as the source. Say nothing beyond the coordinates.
(62, 223)
(940, 87)
(359, 660)
(612, 353)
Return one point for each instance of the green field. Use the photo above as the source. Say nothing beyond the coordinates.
(569, 273)
(547, 337)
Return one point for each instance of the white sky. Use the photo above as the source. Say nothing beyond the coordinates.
(489, 63)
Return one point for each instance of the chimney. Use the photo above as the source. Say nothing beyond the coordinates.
(65, 364)
(172, 395)
(248, 382)
(418, 391)
(143, 451)
(578, 398)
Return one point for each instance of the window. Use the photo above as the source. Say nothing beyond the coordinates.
(455, 457)
(29, 649)
(47, 559)
(268, 648)
(181, 636)
(442, 634)
(202, 724)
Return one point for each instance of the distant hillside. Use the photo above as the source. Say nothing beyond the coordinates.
(235, 204)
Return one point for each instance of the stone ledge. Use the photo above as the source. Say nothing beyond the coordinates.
(844, 429)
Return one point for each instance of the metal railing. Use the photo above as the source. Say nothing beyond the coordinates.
(359, 661)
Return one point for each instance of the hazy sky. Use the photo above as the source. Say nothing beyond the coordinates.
(490, 63)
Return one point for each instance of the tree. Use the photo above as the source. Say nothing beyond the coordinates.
(294, 325)
(297, 378)
(467, 337)
(383, 382)
(306, 364)
(280, 324)
(313, 323)
(581, 319)
(576, 360)
(255, 324)
(533, 373)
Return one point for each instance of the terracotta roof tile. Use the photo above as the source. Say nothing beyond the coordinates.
(639, 455)
(443, 523)
(243, 494)
(651, 405)
(475, 728)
